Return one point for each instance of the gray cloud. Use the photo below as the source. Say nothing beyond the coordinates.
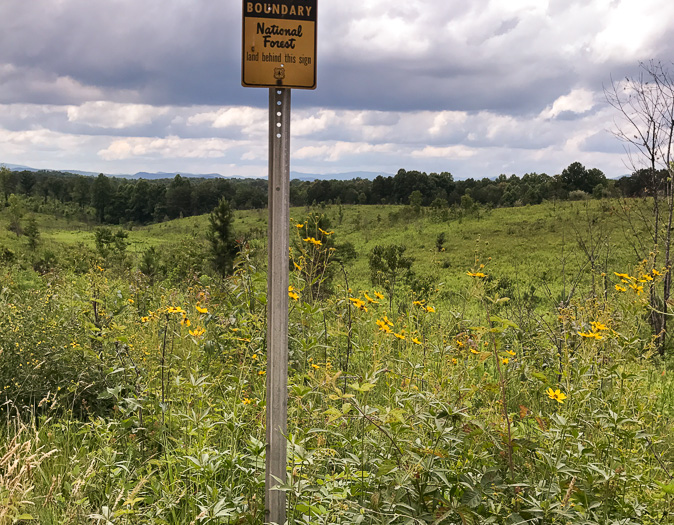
(469, 86)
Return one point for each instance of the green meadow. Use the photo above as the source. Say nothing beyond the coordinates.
(502, 369)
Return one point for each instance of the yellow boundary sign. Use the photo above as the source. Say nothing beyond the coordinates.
(279, 44)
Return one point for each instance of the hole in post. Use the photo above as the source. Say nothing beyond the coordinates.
(278, 125)
(278, 113)
(278, 135)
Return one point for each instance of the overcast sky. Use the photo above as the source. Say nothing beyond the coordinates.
(476, 88)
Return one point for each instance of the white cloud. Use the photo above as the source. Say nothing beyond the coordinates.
(577, 101)
(167, 148)
(113, 115)
(447, 152)
(337, 151)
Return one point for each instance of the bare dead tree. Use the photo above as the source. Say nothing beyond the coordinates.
(645, 124)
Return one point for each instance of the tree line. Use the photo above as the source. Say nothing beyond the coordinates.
(115, 200)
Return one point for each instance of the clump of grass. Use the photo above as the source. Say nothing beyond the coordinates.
(20, 458)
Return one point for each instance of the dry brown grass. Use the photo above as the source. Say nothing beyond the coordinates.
(18, 463)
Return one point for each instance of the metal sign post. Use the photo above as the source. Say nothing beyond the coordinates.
(277, 302)
(278, 52)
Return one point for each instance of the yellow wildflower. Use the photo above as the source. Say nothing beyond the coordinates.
(313, 241)
(505, 361)
(591, 335)
(197, 332)
(247, 401)
(597, 326)
(144, 319)
(378, 295)
(637, 288)
(510, 352)
(623, 275)
(369, 299)
(299, 225)
(557, 395)
(358, 303)
(201, 310)
(297, 266)
(175, 310)
(387, 321)
(399, 336)
(620, 288)
(475, 274)
(324, 232)
(430, 310)
(416, 341)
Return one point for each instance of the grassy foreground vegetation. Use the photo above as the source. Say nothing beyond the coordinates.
(512, 377)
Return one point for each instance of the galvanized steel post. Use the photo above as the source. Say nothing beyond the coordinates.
(277, 303)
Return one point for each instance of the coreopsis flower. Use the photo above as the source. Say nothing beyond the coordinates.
(313, 241)
(369, 299)
(597, 326)
(358, 303)
(175, 310)
(556, 395)
(591, 335)
(197, 332)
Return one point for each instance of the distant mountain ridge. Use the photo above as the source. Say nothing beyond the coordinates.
(296, 175)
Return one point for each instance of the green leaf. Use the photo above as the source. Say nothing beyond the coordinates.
(365, 387)
(471, 498)
(332, 414)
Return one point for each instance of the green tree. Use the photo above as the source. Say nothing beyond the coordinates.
(179, 197)
(32, 233)
(109, 243)
(101, 195)
(220, 235)
(16, 212)
(387, 265)
(6, 183)
(416, 198)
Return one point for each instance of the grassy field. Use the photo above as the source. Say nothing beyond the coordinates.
(522, 385)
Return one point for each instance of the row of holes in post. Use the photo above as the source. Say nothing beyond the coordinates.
(278, 113)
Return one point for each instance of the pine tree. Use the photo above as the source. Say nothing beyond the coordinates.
(221, 237)
(32, 233)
